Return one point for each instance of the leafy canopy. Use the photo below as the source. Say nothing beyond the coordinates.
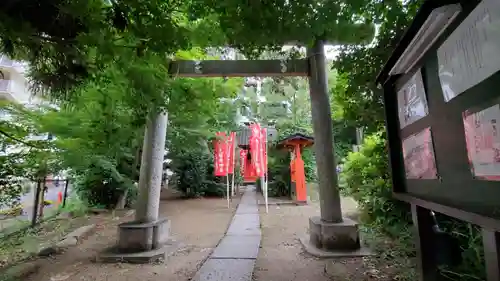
(75, 39)
(356, 96)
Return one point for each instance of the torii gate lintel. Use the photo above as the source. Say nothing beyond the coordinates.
(239, 68)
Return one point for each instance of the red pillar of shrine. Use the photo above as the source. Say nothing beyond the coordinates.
(295, 144)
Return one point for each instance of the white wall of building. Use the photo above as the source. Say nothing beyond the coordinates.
(18, 90)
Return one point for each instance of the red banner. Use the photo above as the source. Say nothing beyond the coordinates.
(231, 141)
(256, 149)
(220, 155)
(243, 160)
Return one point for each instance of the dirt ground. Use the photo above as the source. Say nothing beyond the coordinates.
(281, 256)
(198, 224)
(21, 246)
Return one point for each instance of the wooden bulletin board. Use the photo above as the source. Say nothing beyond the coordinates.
(443, 112)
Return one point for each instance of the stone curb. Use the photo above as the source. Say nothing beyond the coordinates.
(81, 232)
(71, 239)
(21, 271)
(25, 269)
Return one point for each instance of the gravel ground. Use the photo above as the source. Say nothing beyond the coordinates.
(198, 224)
(281, 256)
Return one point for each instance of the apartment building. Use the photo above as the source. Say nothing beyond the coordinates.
(14, 87)
(13, 82)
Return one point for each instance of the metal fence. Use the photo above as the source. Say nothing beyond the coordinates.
(40, 200)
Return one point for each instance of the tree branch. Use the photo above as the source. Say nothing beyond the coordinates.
(18, 140)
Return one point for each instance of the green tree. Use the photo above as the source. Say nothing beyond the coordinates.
(76, 39)
(357, 97)
(106, 62)
(23, 159)
(100, 130)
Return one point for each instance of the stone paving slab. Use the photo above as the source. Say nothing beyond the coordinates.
(226, 270)
(248, 199)
(238, 247)
(234, 258)
(245, 224)
(247, 209)
(247, 204)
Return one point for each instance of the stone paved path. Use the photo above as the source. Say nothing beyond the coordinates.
(234, 258)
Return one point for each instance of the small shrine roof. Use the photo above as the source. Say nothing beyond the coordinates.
(296, 138)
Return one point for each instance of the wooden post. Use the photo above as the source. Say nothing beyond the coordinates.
(34, 217)
(41, 203)
(228, 191)
(235, 142)
(491, 242)
(65, 196)
(424, 243)
(264, 178)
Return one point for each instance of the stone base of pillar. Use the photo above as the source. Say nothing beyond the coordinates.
(333, 239)
(140, 243)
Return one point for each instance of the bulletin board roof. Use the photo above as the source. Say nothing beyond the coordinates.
(423, 13)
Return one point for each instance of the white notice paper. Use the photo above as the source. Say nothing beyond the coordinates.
(472, 52)
(412, 102)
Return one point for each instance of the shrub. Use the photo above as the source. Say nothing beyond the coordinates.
(98, 188)
(11, 187)
(309, 164)
(279, 173)
(365, 177)
(75, 205)
(194, 170)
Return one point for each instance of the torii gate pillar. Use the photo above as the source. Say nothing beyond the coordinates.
(146, 239)
(329, 234)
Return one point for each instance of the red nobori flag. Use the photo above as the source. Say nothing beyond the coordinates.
(249, 169)
(231, 141)
(243, 161)
(220, 154)
(256, 149)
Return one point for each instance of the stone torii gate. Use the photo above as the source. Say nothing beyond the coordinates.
(330, 233)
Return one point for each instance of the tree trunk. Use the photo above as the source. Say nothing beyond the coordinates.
(122, 200)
